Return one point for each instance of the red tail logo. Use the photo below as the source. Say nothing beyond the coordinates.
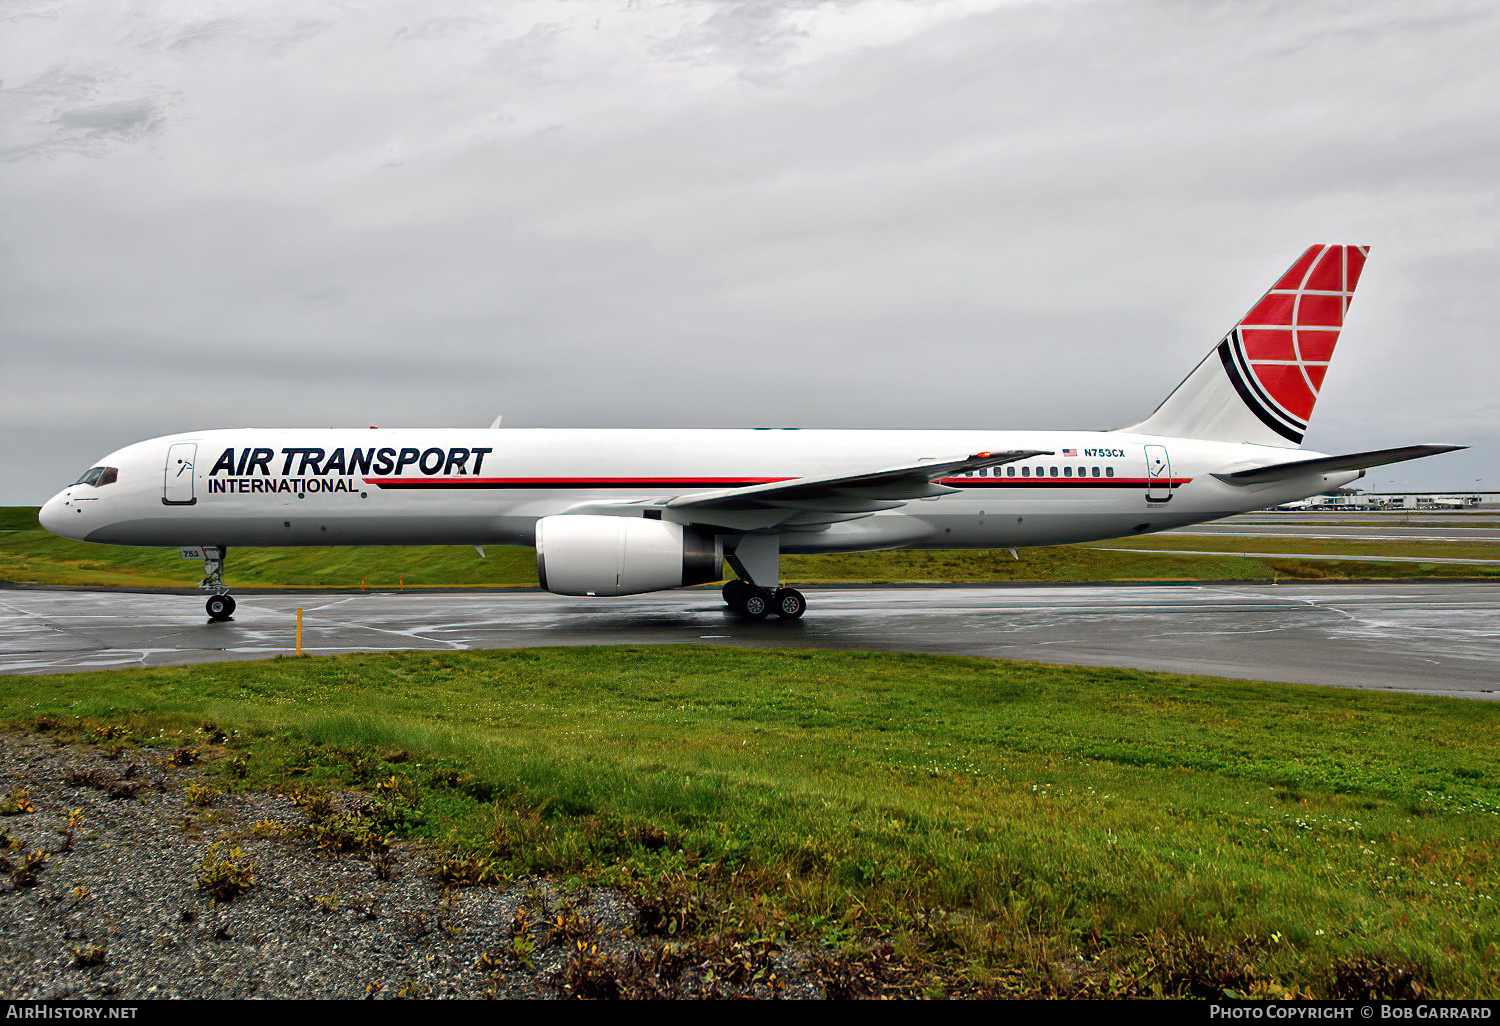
(1277, 356)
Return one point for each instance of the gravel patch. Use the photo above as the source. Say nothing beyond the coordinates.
(115, 909)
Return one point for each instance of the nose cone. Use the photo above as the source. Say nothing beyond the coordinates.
(57, 516)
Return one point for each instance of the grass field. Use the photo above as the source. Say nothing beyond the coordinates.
(30, 555)
(1006, 828)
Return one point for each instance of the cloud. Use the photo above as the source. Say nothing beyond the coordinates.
(103, 123)
(56, 113)
(865, 213)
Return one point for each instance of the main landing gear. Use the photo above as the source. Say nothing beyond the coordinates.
(759, 603)
(755, 594)
(220, 606)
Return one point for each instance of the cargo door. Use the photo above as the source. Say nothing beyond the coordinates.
(177, 484)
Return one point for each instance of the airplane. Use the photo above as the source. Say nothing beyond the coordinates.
(619, 512)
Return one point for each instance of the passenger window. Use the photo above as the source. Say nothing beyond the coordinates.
(1025, 471)
(1096, 471)
(1053, 473)
(1109, 471)
(1067, 471)
(1010, 471)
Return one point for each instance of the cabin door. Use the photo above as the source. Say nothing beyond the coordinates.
(177, 484)
(1158, 474)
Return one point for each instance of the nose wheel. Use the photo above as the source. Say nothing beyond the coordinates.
(760, 603)
(219, 608)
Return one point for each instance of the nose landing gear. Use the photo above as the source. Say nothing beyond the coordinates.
(220, 606)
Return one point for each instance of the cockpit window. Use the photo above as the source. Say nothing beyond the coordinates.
(99, 476)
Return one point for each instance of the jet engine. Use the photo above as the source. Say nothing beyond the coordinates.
(578, 554)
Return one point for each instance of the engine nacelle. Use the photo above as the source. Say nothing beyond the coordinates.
(578, 554)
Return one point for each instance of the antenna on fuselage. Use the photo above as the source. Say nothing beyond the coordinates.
(496, 422)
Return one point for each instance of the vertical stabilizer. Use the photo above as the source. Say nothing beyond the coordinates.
(1261, 382)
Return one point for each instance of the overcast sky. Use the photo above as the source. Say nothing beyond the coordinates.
(870, 213)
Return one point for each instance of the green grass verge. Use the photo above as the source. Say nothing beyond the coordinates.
(1005, 827)
(30, 555)
(1311, 546)
(1079, 563)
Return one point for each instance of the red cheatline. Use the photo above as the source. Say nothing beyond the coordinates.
(570, 482)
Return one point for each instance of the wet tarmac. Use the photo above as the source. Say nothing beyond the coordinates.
(1421, 637)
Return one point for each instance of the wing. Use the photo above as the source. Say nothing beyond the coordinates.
(809, 503)
(1332, 464)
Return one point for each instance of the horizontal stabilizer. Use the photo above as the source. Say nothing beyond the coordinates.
(1333, 464)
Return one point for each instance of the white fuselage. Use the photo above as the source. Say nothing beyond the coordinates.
(421, 486)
